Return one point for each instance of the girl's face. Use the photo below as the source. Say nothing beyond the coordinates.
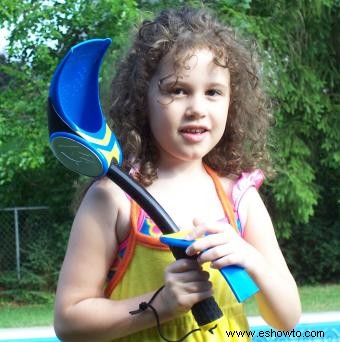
(188, 114)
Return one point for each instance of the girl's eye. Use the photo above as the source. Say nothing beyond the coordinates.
(178, 91)
(213, 92)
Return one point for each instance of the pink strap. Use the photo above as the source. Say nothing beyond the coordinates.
(246, 181)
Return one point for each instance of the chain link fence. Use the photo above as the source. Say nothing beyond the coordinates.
(19, 228)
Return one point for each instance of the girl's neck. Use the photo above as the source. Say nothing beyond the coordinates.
(181, 169)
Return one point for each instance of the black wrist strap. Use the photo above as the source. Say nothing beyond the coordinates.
(144, 306)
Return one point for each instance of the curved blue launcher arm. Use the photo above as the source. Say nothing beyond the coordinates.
(79, 135)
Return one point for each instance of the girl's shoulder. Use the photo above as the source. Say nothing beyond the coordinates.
(235, 187)
(106, 193)
(241, 191)
(247, 181)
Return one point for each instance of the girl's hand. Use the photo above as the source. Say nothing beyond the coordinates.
(185, 284)
(221, 245)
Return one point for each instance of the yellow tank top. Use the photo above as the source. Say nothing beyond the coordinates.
(141, 270)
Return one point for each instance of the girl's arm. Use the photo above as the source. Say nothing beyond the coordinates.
(278, 300)
(82, 313)
(259, 253)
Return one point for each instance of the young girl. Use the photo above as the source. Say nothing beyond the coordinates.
(189, 112)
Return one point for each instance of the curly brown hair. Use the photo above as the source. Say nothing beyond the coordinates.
(179, 32)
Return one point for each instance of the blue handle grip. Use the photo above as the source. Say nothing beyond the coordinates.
(239, 281)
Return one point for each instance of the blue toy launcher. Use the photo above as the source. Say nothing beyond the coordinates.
(82, 141)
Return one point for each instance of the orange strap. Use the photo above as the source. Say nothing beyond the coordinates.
(128, 254)
(227, 206)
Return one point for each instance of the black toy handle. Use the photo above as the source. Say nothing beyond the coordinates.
(206, 312)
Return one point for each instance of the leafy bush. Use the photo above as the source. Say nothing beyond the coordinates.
(313, 254)
(312, 251)
(25, 290)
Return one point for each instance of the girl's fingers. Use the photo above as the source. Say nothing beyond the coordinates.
(206, 228)
(197, 286)
(187, 277)
(183, 265)
(186, 300)
(186, 284)
(227, 260)
(195, 297)
(214, 253)
(207, 242)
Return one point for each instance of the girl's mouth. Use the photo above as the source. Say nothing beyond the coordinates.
(193, 134)
(193, 130)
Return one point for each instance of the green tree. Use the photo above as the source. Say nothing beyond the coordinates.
(41, 33)
(299, 44)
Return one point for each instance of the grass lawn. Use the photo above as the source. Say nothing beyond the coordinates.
(317, 298)
(314, 299)
(13, 315)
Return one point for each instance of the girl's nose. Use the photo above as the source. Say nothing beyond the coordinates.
(196, 107)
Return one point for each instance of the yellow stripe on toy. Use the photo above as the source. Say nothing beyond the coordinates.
(99, 141)
(113, 154)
